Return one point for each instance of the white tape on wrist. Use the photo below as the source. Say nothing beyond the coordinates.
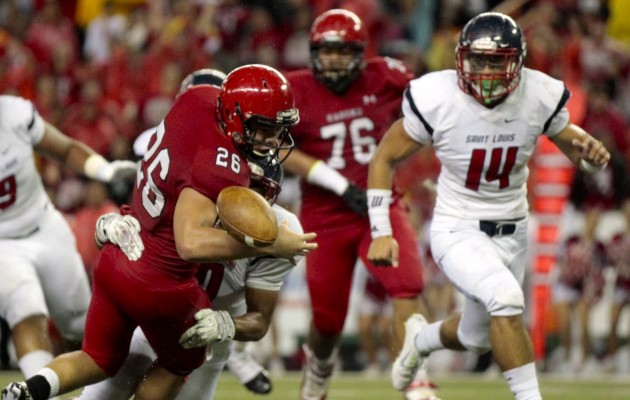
(591, 168)
(97, 167)
(322, 175)
(379, 201)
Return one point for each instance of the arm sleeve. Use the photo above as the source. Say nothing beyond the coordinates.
(28, 123)
(414, 123)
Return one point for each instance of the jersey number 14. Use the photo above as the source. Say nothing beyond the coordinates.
(494, 172)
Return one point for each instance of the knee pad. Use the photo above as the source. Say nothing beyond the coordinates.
(507, 301)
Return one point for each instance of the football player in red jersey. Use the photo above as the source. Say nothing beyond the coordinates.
(201, 147)
(346, 104)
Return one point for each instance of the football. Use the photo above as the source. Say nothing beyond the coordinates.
(247, 216)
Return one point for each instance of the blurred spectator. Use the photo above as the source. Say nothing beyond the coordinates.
(442, 46)
(579, 275)
(85, 120)
(619, 256)
(101, 32)
(544, 44)
(604, 119)
(231, 19)
(265, 38)
(18, 67)
(67, 71)
(296, 53)
(122, 78)
(136, 33)
(15, 16)
(602, 57)
(47, 100)
(577, 287)
(50, 29)
(95, 202)
(159, 101)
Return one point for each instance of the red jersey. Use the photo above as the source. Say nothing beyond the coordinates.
(344, 130)
(188, 149)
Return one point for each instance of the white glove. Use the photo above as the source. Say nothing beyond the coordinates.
(121, 169)
(212, 326)
(97, 167)
(123, 231)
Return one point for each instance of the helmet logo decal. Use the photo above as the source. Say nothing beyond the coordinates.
(483, 44)
(286, 115)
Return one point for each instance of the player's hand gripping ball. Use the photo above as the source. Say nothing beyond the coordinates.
(247, 216)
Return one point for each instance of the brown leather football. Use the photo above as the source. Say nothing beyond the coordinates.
(247, 216)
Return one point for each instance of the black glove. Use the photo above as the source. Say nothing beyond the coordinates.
(356, 198)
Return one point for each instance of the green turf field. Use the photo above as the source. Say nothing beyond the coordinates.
(456, 387)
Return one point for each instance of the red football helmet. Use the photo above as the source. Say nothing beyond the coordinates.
(343, 31)
(257, 97)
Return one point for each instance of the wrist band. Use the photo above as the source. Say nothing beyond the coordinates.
(327, 177)
(97, 167)
(591, 168)
(378, 211)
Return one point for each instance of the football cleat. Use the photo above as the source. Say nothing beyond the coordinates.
(261, 384)
(16, 391)
(315, 379)
(409, 361)
(251, 374)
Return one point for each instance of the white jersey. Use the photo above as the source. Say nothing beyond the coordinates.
(22, 195)
(484, 152)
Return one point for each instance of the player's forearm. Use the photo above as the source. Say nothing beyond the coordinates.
(395, 147)
(586, 152)
(381, 171)
(196, 239)
(563, 142)
(250, 327)
(61, 148)
(299, 163)
(379, 194)
(212, 245)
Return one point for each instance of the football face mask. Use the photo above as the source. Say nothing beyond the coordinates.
(490, 76)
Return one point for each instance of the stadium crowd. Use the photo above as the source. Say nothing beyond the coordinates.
(104, 71)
